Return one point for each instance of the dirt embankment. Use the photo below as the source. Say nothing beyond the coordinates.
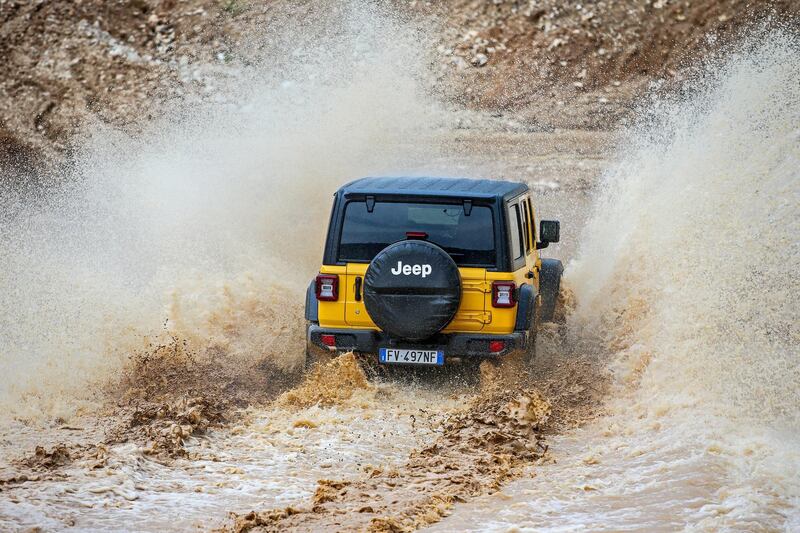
(579, 64)
(552, 63)
(64, 62)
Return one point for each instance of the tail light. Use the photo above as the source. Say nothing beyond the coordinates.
(503, 294)
(328, 340)
(496, 346)
(327, 288)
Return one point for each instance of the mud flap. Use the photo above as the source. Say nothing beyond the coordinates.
(526, 321)
(549, 285)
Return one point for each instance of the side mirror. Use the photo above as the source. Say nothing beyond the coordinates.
(549, 231)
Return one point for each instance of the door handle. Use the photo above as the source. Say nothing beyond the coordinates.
(358, 288)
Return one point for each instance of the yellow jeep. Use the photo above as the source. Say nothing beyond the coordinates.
(432, 271)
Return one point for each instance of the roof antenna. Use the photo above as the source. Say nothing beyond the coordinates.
(370, 204)
(467, 207)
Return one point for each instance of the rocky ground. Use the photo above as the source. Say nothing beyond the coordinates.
(552, 63)
(518, 55)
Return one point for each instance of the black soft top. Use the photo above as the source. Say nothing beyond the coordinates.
(430, 186)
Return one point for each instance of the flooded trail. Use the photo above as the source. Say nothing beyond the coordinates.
(156, 428)
(272, 455)
(611, 477)
(151, 318)
(475, 449)
(437, 442)
(337, 451)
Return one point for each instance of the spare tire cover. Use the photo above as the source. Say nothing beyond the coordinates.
(412, 289)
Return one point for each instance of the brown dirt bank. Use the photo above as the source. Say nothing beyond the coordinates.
(578, 63)
(554, 64)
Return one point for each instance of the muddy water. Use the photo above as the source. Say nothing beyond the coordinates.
(274, 455)
(611, 477)
(271, 457)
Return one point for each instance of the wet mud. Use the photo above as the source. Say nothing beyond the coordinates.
(167, 394)
(171, 394)
(479, 446)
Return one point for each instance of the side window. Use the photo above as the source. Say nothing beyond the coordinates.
(533, 225)
(515, 227)
(526, 227)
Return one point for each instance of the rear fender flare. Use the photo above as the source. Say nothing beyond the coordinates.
(312, 305)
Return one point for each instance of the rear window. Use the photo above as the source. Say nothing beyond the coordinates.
(468, 239)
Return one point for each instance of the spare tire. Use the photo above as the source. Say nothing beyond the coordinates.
(412, 289)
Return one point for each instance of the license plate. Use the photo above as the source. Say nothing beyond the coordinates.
(411, 357)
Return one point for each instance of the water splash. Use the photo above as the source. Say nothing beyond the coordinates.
(213, 217)
(688, 266)
(688, 272)
(686, 286)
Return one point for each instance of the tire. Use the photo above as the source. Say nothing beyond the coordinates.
(412, 290)
(549, 287)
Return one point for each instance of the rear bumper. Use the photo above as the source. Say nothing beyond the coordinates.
(454, 345)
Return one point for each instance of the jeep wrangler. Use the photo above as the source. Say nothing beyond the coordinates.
(432, 271)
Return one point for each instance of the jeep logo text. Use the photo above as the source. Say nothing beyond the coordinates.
(408, 270)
